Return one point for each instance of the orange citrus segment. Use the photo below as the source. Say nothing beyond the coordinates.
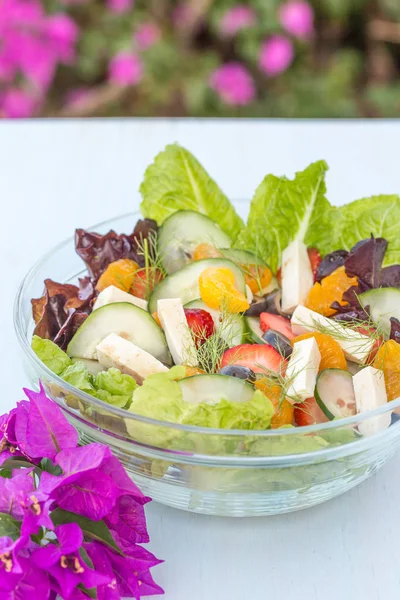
(332, 355)
(156, 318)
(257, 277)
(217, 290)
(331, 289)
(120, 273)
(205, 251)
(283, 408)
(388, 360)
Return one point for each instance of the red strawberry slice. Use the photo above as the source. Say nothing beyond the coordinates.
(145, 281)
(257, 357)
(200, 323)
(276, 322)
(315, 260)
(308, 413)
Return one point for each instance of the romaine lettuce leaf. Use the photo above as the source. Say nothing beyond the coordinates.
(115, 387)
(283, 210)
(177, 181)
(51, 355)
(78, 376)
(378, 216)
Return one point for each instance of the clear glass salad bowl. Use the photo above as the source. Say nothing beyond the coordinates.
(216, 472)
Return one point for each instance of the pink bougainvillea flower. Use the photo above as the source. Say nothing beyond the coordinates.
(237, 18)
(127, 524)
(234, 84)
(63, 561)
(147, 35)
(36, 507)
(13, 491)
(16, 104)
(276, 55)
(297, 17)
(62, 33)
(125, 69)
(120, 6)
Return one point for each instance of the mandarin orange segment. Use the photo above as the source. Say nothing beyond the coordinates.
(331, 289)
(388, 360)
(205, 251)
(332, 355)
(120, 273)
(156, 318)
(217, 290)
(257, 277)
(283, 408)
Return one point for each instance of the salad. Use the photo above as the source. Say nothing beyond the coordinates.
(197, 318)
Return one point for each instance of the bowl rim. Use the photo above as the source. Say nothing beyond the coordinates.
(25, 344)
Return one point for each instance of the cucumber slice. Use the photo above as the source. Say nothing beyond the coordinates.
(242, 257)
(383, 303)
(182, 232)
(233, 333)
(184, 284)
(93, 366)
(334, 393)
(127, 320)
(213, 388)
(254, 330)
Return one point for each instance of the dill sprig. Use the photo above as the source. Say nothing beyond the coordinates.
(147, 248)
(210, 350)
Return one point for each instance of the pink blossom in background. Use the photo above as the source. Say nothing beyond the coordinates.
(62, 32)
(120, 6)
(147, 35)
(181, 15)
(237, 18)
(234, 84)
(125, 69)
(277, 54)
(297, 17)
(17, 104)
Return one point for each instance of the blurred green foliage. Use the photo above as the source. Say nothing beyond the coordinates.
(348, 68)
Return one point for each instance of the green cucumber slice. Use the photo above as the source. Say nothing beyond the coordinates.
(184, 284)
(233, 333)
(383, 303)
(93, 366)
(181, 233)
(254, 330)
(334, 393)
(124, 319)
(213, 388)
(242, 257)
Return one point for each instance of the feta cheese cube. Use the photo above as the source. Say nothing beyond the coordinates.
(113, 294)
(179, 339)
(370, 393)
(297, 276)
(302, 370)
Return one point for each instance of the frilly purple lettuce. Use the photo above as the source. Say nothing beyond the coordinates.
(71, 520)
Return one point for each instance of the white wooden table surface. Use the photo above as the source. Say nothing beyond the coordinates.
(55, 176)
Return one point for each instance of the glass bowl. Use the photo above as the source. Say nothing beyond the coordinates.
(210, 471)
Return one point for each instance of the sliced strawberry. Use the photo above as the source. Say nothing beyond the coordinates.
(315, 260)
(279, 276)
(200, 323)
(370, 330)
(145, 281)
(277, 323)
(257, 357)
(308, 413)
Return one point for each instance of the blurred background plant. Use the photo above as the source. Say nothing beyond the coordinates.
(260, 58)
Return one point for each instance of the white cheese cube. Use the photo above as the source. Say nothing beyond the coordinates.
(355, 345)
(113, 294)
(370, 393)
(115, 351)
(297, 276)
(179, 339)
(302, 370)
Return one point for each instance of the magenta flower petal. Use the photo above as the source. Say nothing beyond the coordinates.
(13, 492)
(148, 587)
(297, 17)
(101, 563)
(93, 495)
(234, 84)
(237, 18)
(47, 431)
(147, 35)
(276, 55)
(79, 460)
(112, 467)
(32, 583)
(125, 69)
(70, 537)
(36, 513)
(47, 556)
(62, 33)
(130, 528)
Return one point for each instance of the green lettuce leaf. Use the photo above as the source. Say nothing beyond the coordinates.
(177, 181)
(379, 216)
(110, 386)
(283, 210)
(51, 355)
(115, 388)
